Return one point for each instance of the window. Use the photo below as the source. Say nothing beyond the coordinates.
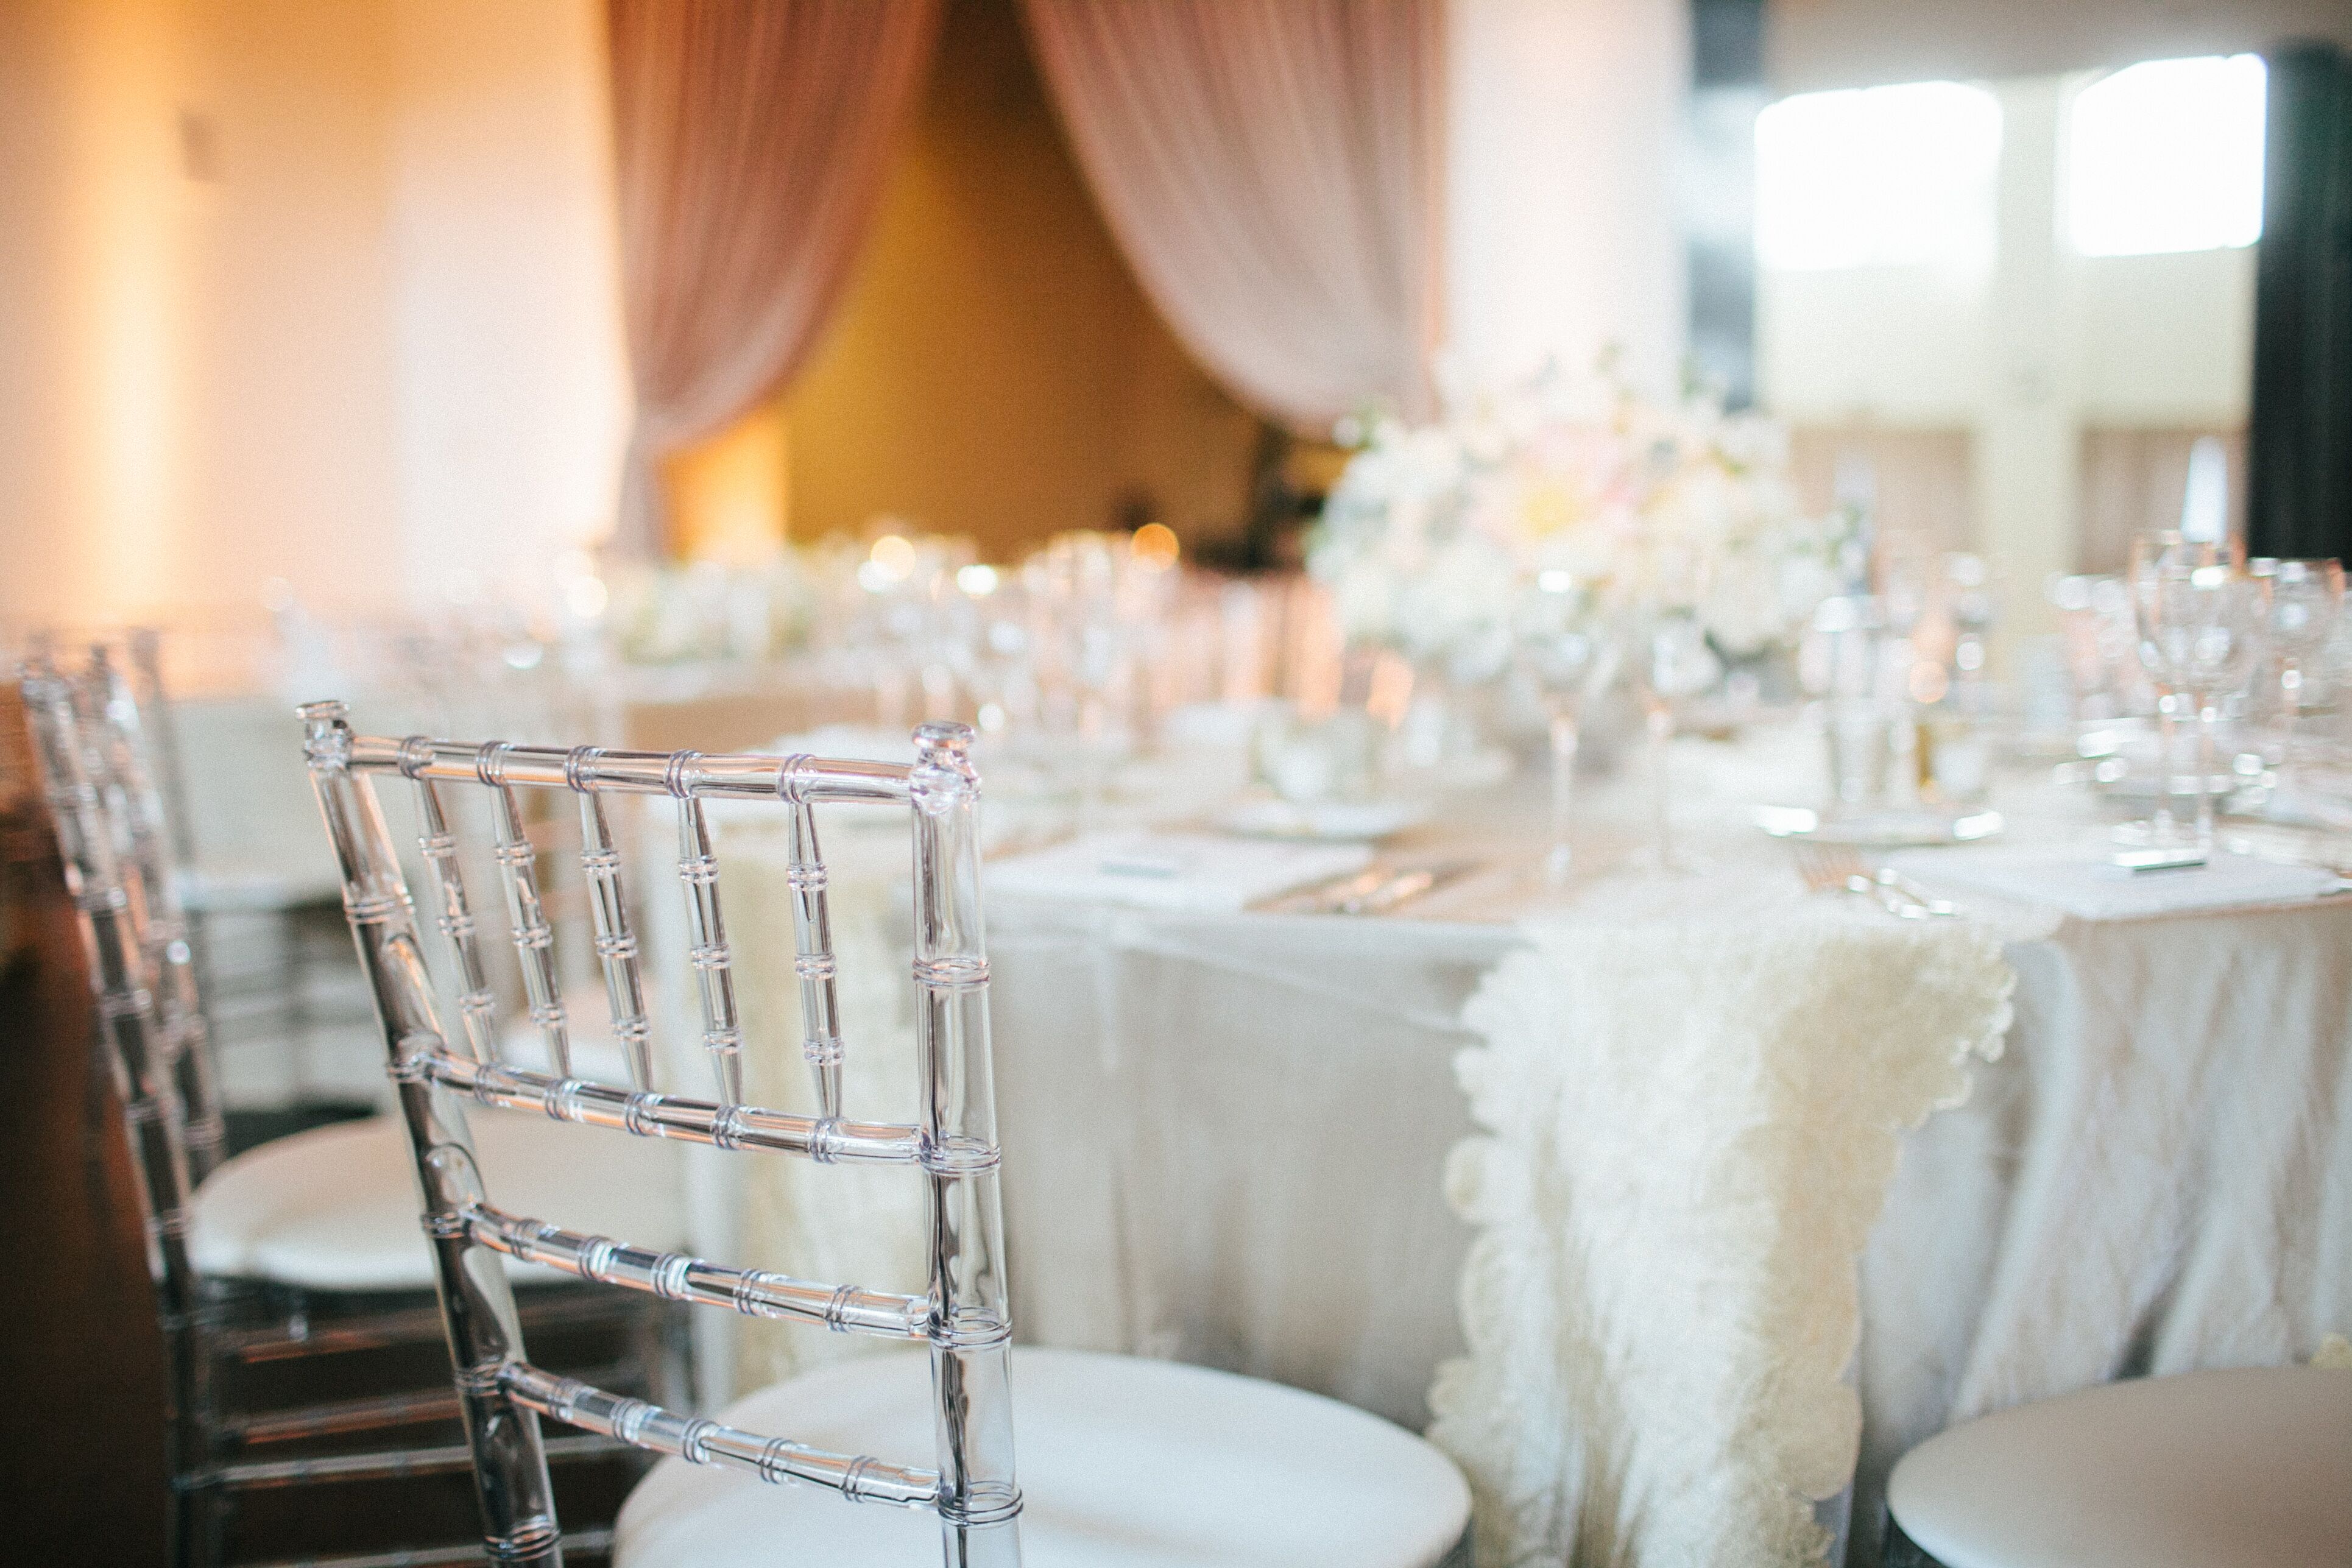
(2167, 156)
(1882, 176)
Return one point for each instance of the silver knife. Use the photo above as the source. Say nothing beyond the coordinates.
(1407, 886)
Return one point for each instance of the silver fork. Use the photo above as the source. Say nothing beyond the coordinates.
(1837, 868)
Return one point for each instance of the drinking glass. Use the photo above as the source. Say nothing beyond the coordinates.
(1969, 600)
(1860, 734)
(1845, 665)
(1085, 643)
(1669, 662)
(2300, 602)
(1563, 649)
(2201, 627)
(2153, 552)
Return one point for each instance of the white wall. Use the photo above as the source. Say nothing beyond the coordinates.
(2024, 354)
(1565, 120)
(2124, 340)
(316, 289)
(195, 363)
(1814, 44)
(512, 376)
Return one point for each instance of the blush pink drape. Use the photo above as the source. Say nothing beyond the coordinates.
(1272, 170)
(751, 139)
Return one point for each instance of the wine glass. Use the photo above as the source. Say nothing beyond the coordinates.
(1563, 649)
(1085, 648)
(2154, 551)
(1669, 662)
(2200, 620)
(2300, 602)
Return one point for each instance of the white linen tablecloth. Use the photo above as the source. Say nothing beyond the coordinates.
(1226, 1135)
(1226, 1140)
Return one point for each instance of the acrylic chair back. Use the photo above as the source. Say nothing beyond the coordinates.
(138, 1041)
(102, 722)
(950, 1144)
(127, 716)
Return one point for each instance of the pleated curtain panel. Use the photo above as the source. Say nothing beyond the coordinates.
(750, 142)
(1272, 168)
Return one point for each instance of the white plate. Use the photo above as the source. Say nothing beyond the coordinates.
(1888, 829)
(1327, 820)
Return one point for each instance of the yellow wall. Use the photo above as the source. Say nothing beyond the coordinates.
(195, 387)
(311, 289)
(995, 370)
(729, 495)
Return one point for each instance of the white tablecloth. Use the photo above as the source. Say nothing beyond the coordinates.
(1226, 1135)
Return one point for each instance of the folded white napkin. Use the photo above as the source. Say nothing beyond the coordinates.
(1190, 872)
(2308, 808)
(2094, 889)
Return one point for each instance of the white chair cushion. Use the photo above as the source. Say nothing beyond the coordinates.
(2206, 1469)
(335, 1208)
(1122, 1463)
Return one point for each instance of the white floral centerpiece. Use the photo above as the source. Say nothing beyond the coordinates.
(1435, 533)
(709, 610)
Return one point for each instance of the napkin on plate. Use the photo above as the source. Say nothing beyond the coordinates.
(2094, 889)
(1190, 872)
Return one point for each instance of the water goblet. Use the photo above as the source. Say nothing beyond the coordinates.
(1668, 660)
(1086, 647)
(2301, 603)
(1563, 649)
(2200, 621)
(2154, 550)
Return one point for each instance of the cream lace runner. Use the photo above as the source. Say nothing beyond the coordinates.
(1690, 1127)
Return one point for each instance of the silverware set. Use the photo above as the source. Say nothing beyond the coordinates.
(2320, 849)
(1377, 889)
(1840, 868)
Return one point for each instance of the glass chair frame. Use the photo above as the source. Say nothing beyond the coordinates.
(962, 1317)
(92, 763)
(110, 903)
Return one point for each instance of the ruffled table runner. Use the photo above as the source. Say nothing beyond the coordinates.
(1690, 1125)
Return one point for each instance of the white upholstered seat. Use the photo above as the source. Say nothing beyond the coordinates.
(1124, 1462)
(2208, 1470)
(335, 1208)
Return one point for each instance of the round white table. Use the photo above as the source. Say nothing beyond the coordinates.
(1227, 1134)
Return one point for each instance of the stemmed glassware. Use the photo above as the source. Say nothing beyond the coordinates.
(1564, 651)
(2200, 623)
(2154, 551)
(1085, 643)
(1668, 662)
(2301, 601)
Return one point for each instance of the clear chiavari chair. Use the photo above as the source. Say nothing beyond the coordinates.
(109, 716)
(1144, 1461)
(220, 1323)
(108, 914)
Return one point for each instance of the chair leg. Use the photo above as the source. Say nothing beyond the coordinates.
(661, 1342)
(1901, 1552)
(198, 1528)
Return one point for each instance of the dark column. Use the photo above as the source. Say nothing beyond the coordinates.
(2301, 464)
(1726, 91)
